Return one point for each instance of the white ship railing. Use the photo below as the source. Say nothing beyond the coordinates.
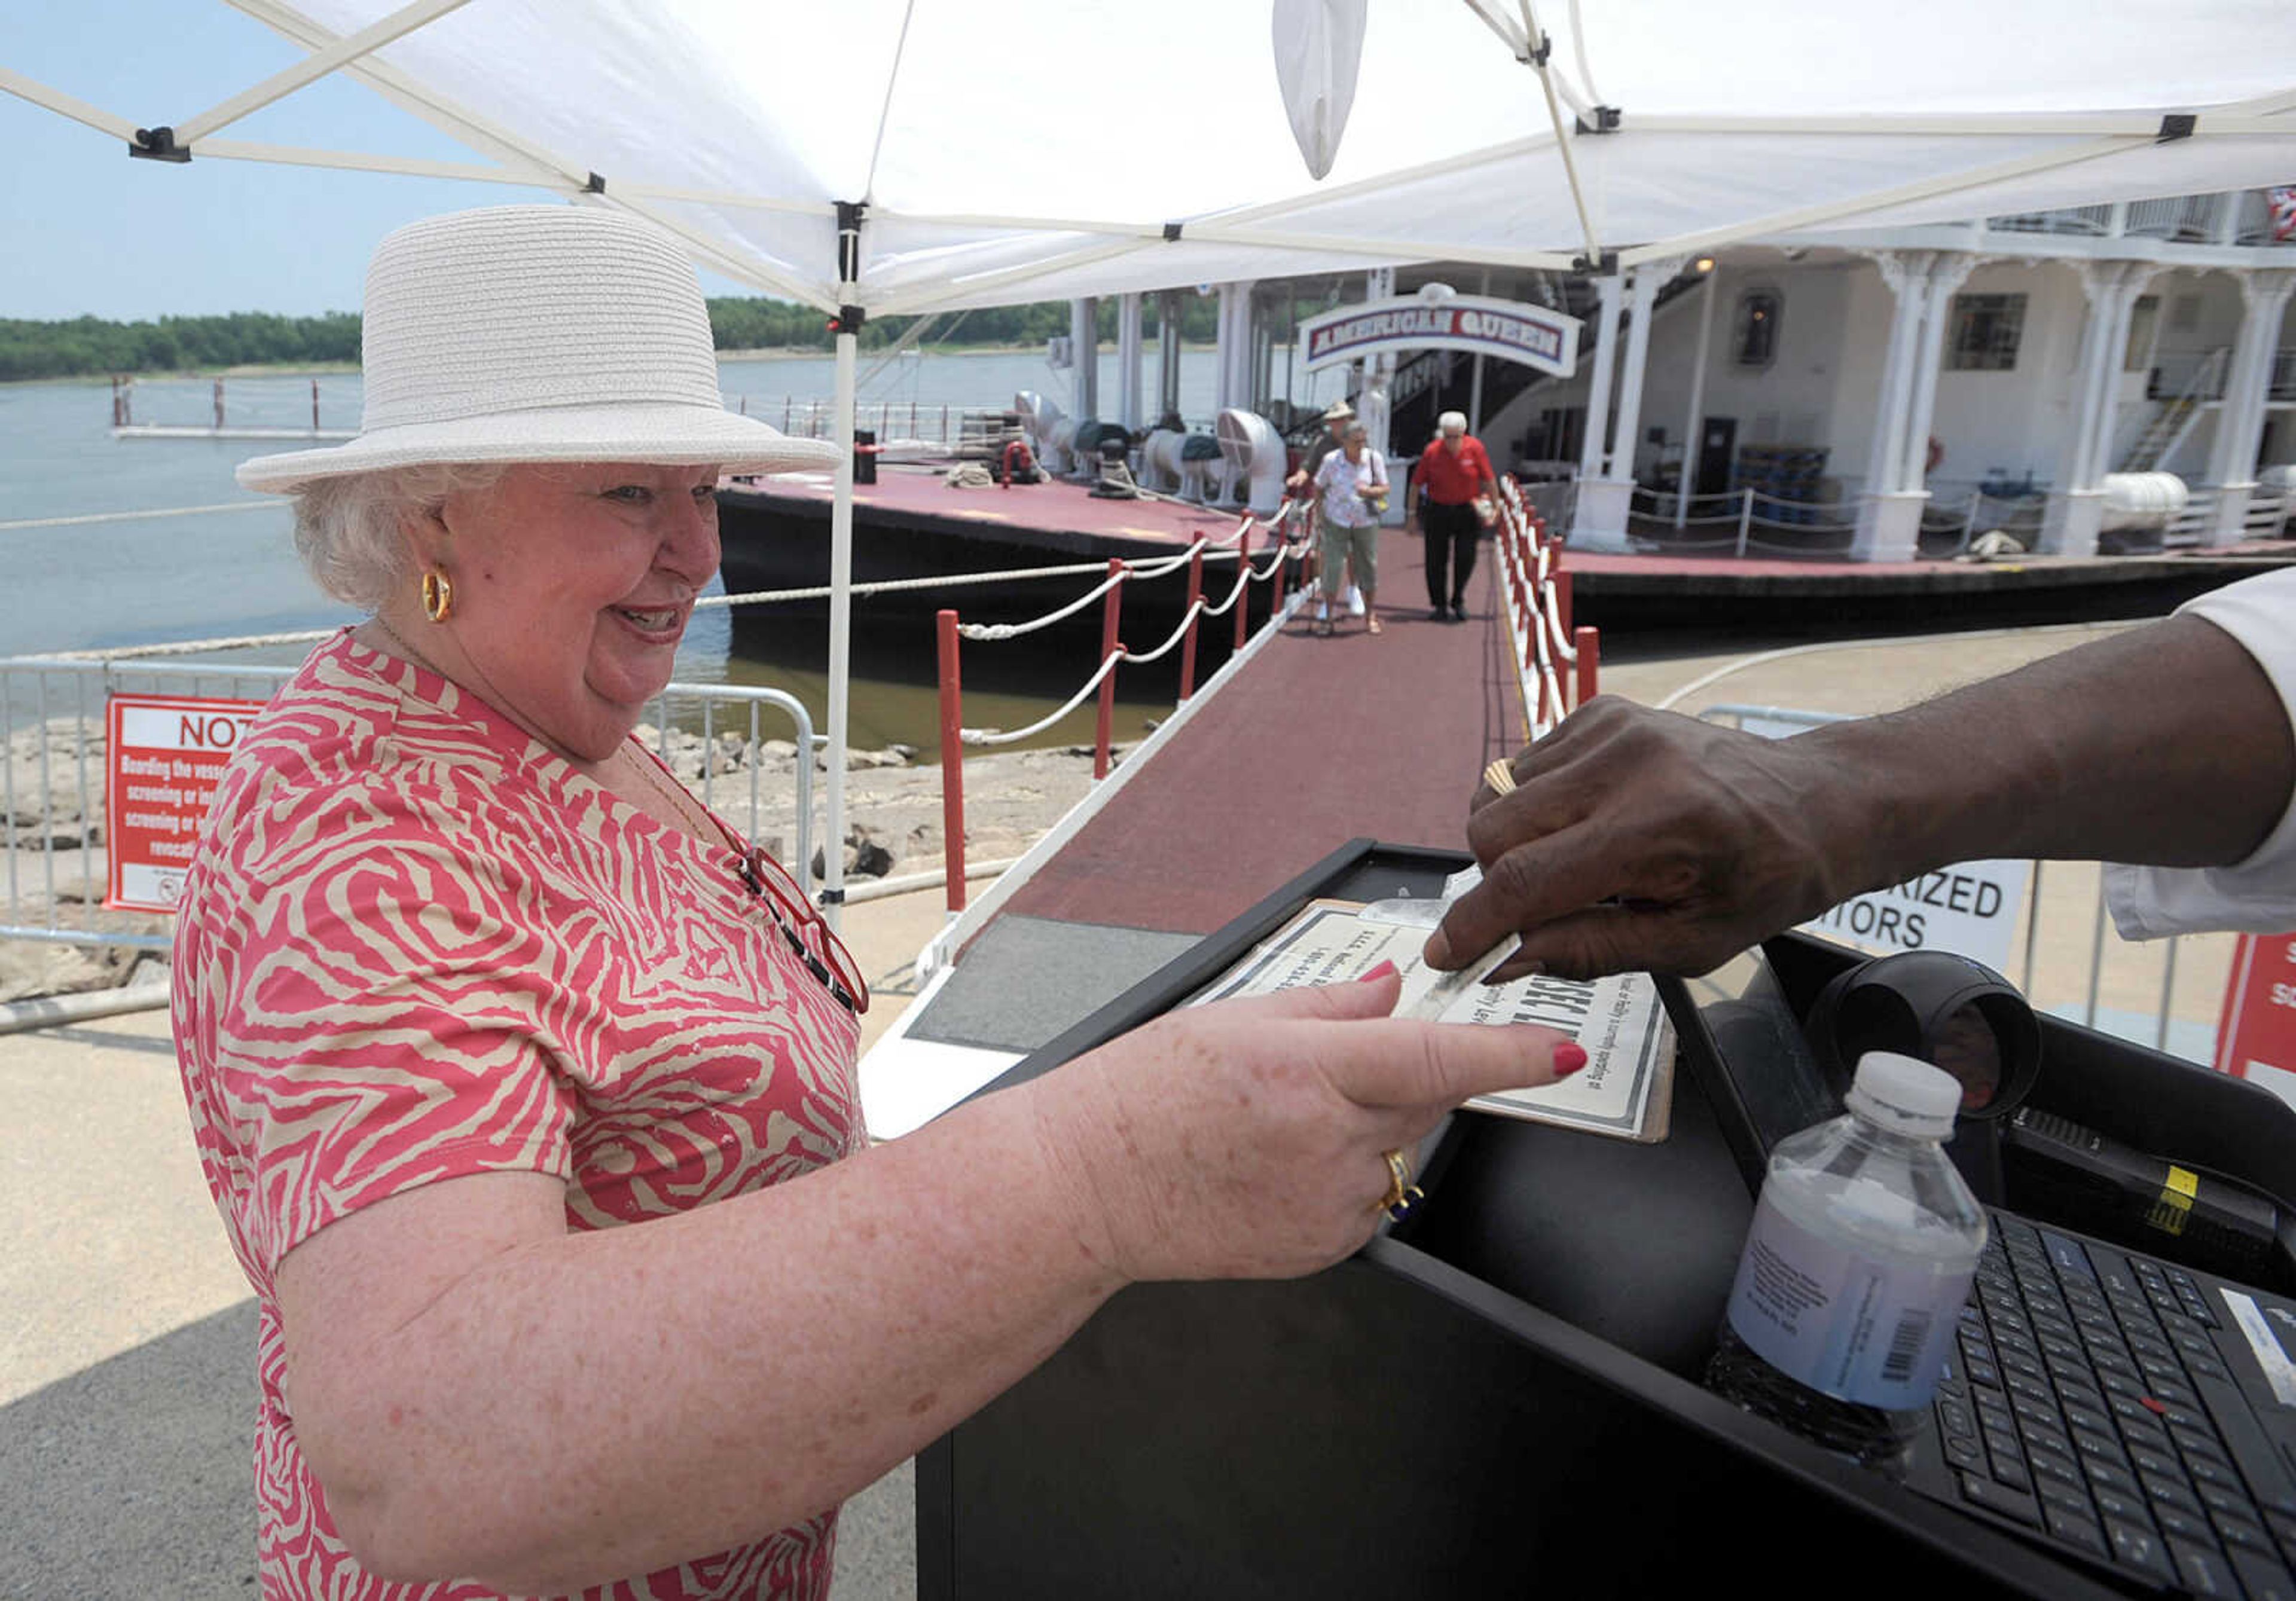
(2241, 216)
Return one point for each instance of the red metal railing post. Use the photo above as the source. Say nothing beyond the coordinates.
(1243, 600)
(1590, 642)
(1561, 599)
(1111, 610)
(1188, 648)
(952, 762)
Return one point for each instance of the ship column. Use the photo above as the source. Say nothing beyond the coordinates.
(1127, 362)
(1084, 353)
(1642, 303)
(1897, 469)
(1693, 425)
(2077, 505)
(1235, 355)
(1889, 527)
(1167, 356)
(1598, 519)
(1374, 404)
(2240, 422)
(1948, 271)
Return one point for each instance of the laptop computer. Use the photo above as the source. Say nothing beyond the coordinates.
(2128, 1413)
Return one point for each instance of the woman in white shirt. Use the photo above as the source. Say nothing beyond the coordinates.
(1353, 484)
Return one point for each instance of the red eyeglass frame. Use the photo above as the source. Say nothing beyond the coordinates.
(769, 878)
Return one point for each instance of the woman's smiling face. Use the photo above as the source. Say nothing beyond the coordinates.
(573, 585)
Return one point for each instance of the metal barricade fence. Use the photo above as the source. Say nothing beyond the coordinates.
(53, 775)
(2068, 958)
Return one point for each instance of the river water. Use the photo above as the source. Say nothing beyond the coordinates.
(217, 574)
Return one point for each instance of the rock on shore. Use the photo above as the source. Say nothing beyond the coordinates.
(894, 809)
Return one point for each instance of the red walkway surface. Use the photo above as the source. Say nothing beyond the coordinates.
(1316, 741)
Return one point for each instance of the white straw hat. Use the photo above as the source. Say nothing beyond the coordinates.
(538, 333)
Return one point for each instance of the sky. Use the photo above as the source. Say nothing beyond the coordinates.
(86, 231)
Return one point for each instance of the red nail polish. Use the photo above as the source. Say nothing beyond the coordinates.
(1569, 1058)
(1377, 973)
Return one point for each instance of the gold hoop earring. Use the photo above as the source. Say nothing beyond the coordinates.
(438, 595)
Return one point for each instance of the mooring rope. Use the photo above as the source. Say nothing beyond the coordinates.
(1200, 608)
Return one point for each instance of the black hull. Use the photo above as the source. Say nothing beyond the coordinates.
(782, 542)
(1830, 601)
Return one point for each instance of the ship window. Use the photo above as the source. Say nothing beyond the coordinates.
(1757, 327)
(1986, 329)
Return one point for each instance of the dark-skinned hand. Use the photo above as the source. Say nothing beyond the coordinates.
(1641, 840)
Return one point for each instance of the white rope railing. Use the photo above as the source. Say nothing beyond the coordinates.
(1015, 630)
(1228, 547)
(178, 510)
(1200, 608)
(1248, 576)
(192, 647)
(244, 642)
(1194, 612)
(938, 581)
(995, 736)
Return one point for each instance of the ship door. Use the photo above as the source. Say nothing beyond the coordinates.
(1718, 443)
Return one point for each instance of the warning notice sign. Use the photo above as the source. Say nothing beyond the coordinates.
(164, 754)
(2258, 1026)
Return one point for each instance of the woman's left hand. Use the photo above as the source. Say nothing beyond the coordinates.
(1248, 1139)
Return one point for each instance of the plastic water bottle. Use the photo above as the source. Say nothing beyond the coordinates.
(1852, 1280)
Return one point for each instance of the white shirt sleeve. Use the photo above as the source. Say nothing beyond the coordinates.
(2257, 895)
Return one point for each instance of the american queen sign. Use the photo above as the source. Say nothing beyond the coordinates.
(1507, 330)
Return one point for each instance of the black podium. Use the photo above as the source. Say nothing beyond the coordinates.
(1496, 1397)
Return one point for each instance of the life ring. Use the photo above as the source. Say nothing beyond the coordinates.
(1937, 453)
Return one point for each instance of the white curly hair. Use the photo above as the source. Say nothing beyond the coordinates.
(350, 530)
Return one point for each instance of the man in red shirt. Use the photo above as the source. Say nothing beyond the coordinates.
(1452, 471)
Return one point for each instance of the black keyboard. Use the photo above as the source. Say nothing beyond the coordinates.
(2086, 1400)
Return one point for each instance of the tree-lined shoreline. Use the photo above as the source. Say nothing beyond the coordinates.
(90, 347)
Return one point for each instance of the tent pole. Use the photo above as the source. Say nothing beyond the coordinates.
(848, 328)
(841, 633)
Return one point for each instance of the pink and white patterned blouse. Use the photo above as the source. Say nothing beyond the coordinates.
(416, 944)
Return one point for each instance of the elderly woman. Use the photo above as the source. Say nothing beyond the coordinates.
(1352, 481)
(465, 985)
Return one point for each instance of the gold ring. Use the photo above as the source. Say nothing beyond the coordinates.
(1401, 1193)
(1500, 776)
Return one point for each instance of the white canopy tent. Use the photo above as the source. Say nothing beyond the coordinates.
(890, 156)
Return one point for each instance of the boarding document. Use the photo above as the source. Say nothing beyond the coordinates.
(1626, 1089)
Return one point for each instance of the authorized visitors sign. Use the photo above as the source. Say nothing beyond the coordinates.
(1968, 908)
(1507, 330)
(163, 756)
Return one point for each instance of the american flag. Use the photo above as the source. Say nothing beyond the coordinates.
(2284, 212)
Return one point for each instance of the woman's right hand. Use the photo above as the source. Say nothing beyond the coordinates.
(1247, 1139)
